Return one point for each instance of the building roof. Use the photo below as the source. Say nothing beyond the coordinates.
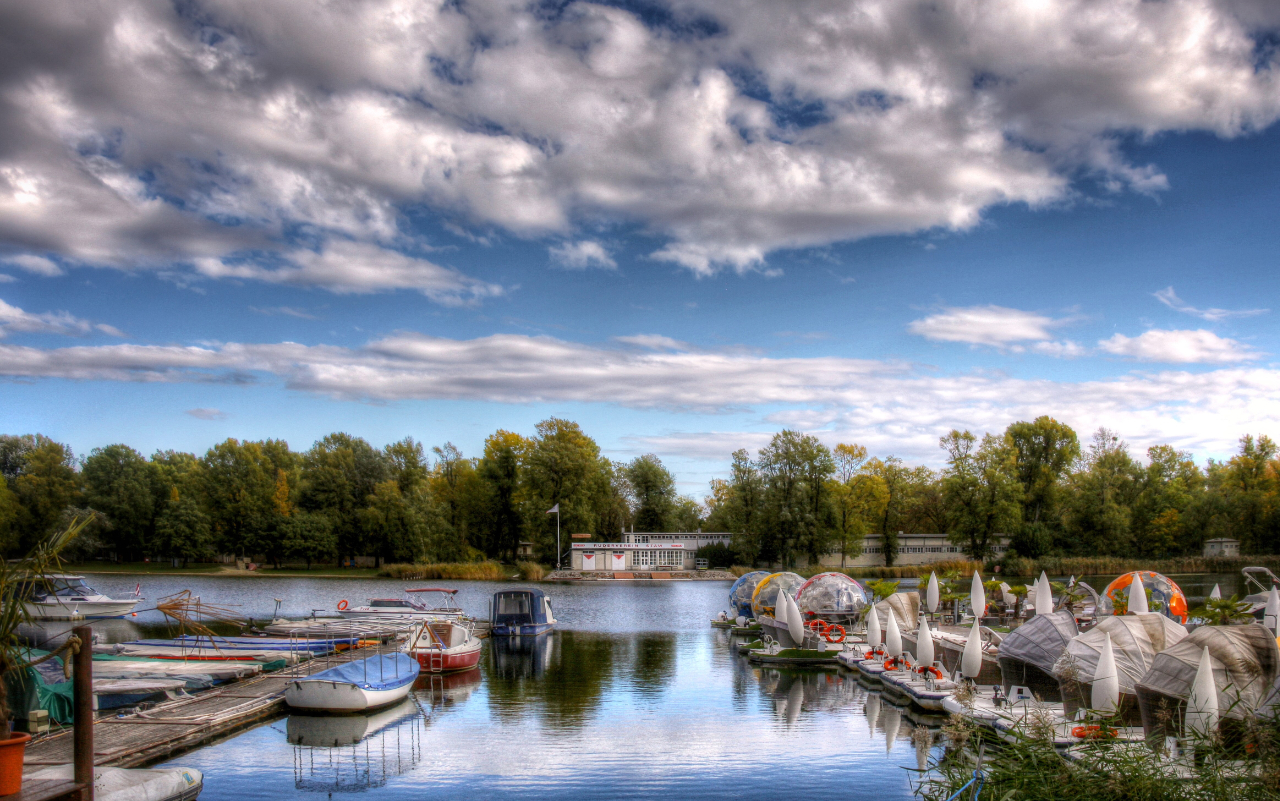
(1221, 539)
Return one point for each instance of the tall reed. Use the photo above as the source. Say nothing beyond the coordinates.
(530, 571)
(474, 571)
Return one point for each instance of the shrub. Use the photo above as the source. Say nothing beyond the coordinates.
(530, 571)
(474, 571)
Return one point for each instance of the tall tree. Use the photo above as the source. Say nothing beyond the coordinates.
(46, 483)
(1044, 450)
(118, 484)
(183, 530)
(1099, 517)
(737, 507)
(564, 467)
(1170, 485)
(501, 474)
(654, 490)
(797, 500)
(982, 494)
(853, 496)
(896, 481)
(339, 472)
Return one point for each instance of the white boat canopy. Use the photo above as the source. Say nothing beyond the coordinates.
(1135, 640)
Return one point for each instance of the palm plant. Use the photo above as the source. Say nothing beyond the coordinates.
(1223, 611)
(17, 578)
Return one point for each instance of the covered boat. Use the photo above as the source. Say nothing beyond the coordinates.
(1028, 654)
(764, 602)
(1245, 662)
(833, 597)
(444, 646)
(521, 613)
(357, 686)
(741, 592)
(1135, 641)
(125, 784)
(1166, 597)
(905, 606)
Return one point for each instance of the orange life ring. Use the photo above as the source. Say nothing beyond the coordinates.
(829, 637)
(815, 625)
(1092, 732)
(930, 669)
(342, 605)
(897, 663)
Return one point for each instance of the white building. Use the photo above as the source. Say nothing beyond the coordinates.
(913, 549)
(643, 551)
(1222, 546)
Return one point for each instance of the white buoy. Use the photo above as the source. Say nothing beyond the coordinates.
(1202, 703)
(1137, 596)
(874, 636)
(931, 594)
(1215, 594)
(1271, 616)
(893, 637)
(971, 659)
(1106, 682)
(977, 596)
(924, 644)
(1044, 595)
(1007, 596)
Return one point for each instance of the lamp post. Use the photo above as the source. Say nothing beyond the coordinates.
(556, 509)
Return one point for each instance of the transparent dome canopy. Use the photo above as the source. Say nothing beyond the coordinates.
(1163, 596)
(766, 592)
(831, 595)
(742, 590)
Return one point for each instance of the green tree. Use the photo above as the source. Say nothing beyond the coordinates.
(338, 473)
(407, 463)
(392, 524)
(798, 512)
(240, 482)
(45, 484)
(854, 499)
(309, 536)
(736, 504)
(1045, 450)
(501, 475)
(8, 519)
(654, 490)
(1099, 515)
(982, 494)
(183, 530)
(118, 484)
(564, 467)
(896, 482)
(1170, 486)
(1248, 486)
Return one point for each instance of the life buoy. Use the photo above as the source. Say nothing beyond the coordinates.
(829, 637)
(342, 605)
(897, 663)
(1092, 732)
(816, 625)
(930, 670)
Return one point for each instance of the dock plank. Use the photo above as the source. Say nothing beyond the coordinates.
(177, 726)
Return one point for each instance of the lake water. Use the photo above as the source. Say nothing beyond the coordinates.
(634, 696)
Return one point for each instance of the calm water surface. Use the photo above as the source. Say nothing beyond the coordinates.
(634, 696)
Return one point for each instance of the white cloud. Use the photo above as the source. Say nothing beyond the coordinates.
(15, 320)
(35, 264)
(1170, 298)
(582, 255)
(996, 326)
(357, 268)
(1064, 349)
(890, 407)
(654, 342)
(1179, 347)
(165, 139)
(207, 414)
(6, 279)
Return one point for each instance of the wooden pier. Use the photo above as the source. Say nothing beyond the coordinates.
(177, 726)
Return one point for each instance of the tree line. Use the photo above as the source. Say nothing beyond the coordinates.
(796, 498)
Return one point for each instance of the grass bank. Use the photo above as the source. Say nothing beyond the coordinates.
(474, 571)
(466, 571)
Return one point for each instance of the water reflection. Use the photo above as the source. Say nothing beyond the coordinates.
(354, 753)
(561, 677)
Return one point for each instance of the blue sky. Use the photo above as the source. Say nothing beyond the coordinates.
(215, 222)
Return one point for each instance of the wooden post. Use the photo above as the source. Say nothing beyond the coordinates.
(82, 720)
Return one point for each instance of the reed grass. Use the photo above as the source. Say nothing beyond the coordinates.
(472, 571)
(530, 571)
(1114, 565)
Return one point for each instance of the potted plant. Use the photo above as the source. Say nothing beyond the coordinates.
(16, 580)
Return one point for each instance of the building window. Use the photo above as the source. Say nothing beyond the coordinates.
(671, 558)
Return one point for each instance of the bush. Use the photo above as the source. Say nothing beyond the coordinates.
(716, 554)
(474, 571)
(530, 571)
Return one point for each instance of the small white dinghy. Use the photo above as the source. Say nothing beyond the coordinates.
(358, 686)
(125, 784)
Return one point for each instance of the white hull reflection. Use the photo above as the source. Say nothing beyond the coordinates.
(354, 753)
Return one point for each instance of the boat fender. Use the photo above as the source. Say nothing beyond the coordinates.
(829, 637)
(1092, 732)
(342, 605)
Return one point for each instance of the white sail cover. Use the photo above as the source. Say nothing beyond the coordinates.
(1135, 640)
(906, 608)
(1245, 663)
(1041, 640)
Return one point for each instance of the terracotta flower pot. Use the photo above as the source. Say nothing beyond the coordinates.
(11, 752)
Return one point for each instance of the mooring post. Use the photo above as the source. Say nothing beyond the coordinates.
(82, 719)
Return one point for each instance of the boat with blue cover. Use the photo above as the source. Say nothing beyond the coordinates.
(520, 613)
(357, 686)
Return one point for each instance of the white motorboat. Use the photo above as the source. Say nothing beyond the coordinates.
(443, 646)
(405, 608)
(66, 597)
(358, 686)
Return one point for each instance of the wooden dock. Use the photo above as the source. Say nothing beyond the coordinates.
(177, 726)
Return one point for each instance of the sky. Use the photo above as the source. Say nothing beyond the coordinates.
(683, 225)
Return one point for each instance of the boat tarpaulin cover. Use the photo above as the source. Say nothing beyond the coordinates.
(1135, 640)
(122, 784)
(1245, 664)
(1041, 640)
(383, 672)
(905, 606)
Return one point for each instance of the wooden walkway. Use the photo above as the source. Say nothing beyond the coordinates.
(178, 726)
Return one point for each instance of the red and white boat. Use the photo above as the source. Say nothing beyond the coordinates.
(444, 646)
